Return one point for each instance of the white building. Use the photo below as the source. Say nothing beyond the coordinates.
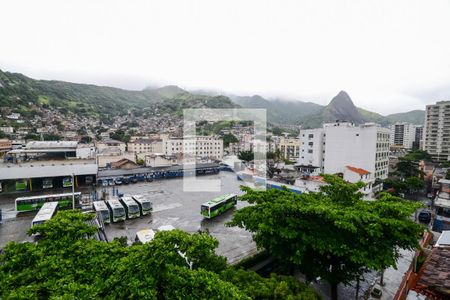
(351, 174)
(311, 149)
(403, 135)
(7, 129)
(337, 145)
(436, 131)
(146, 146)
(158, 160)
(201, 146)
(110, 144)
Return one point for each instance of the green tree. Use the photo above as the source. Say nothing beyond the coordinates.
(120, 135)
(332, 234)
(67, 263)
(85, 139)
(407, 168)
(418, 155)
(246, 155)
(229, 138)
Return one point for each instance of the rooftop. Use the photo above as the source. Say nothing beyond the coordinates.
(434, 276)
(218, 199)
(51, 145)
(444, 239)
(358, 170)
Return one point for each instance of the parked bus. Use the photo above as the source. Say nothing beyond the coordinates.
(144, 236)
(36, 202)
(145, 205)
(218, 205)
(46, 212)
(101, 208)
(117, 210)
(131, 207)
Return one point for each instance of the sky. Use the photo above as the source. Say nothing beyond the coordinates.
(390, 56)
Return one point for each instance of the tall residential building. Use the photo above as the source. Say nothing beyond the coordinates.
(403, 135)
(436, 132)
(418, 142)
(336, 146)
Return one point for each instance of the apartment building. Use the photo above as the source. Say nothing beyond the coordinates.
(200, 146)
(337, 145)
(289, 148)
(436, 132)
(403, 135)
(146, 146)
(311, 156)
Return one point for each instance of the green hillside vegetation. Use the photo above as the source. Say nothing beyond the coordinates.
(17, 90)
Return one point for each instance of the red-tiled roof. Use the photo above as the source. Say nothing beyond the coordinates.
(358, 170)
(434, 276)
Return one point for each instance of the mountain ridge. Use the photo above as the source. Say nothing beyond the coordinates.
(18, 90)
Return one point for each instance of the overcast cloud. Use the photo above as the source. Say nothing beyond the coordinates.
(390, 56)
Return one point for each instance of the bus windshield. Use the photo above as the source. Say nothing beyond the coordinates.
(119, 211)
(204, 209)
(146, 205)
(105, 214)
(133, 208)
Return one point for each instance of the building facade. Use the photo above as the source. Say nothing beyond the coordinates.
(289, 148)
(200, 146)
(146, 146)
(337, 145)
(403, 135)
(436, 132)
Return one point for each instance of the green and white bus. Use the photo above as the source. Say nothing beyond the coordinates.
(145, 205)
(47, 211)
(36, 202)
(218, 205)
(117, 210)
(131, 207)
(101, 208)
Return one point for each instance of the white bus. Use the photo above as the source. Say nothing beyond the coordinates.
(145, 205)
(117, 210)
(101, 208)
(46, 212)
(131, 207)
(144, 236)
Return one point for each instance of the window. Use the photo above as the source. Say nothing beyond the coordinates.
(310, 151)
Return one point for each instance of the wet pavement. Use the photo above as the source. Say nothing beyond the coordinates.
(171, 206)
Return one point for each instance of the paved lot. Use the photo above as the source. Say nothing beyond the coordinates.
(171, 205)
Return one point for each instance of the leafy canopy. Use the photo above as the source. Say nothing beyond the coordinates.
(332, 234)
(66, 263)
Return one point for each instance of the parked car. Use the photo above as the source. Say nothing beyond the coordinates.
(126, 180)
(118, 181)
(424, 216)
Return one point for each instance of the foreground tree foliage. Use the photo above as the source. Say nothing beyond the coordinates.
(332, 234)
(65, 264)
